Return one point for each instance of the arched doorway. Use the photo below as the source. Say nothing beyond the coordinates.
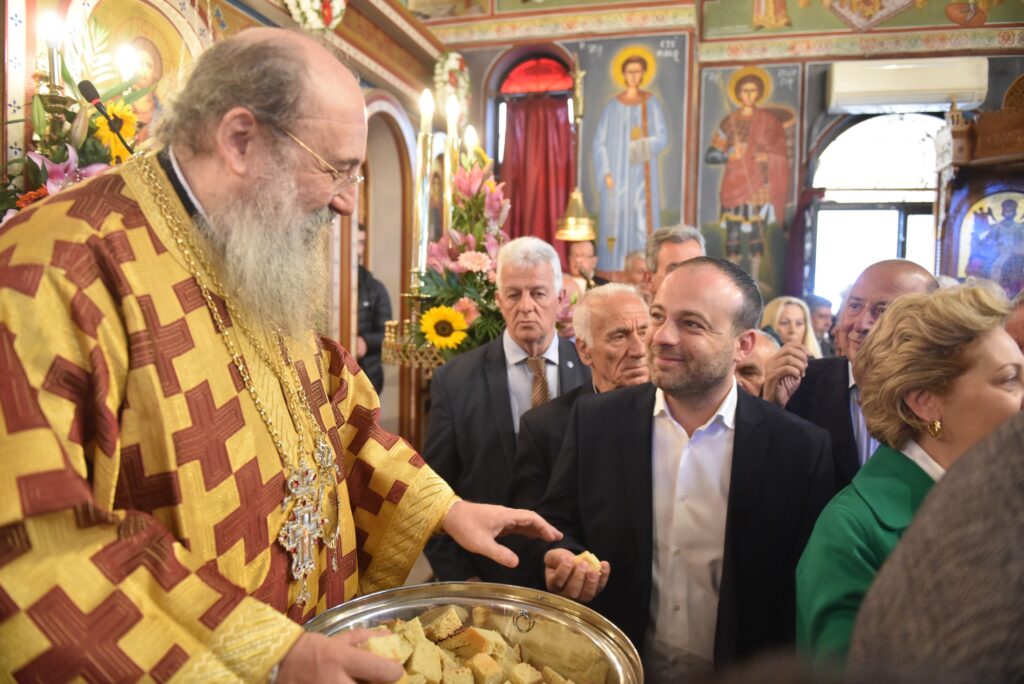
(387, 217)
(874, 209)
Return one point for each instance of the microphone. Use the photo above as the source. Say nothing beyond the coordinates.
(588, 276)
(89, 92)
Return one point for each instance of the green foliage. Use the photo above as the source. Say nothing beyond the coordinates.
(447, 288)
(38, 114)
(35, 177)
(93, 151)
(8, 197)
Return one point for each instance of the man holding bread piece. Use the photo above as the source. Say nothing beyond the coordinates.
(696, 497)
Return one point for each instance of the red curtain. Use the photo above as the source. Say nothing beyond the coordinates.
(538, 168)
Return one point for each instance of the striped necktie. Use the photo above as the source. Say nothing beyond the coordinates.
(539, 389)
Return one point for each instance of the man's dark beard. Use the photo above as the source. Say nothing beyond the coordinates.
(696, 379)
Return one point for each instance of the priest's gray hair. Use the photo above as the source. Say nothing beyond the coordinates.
(676, 235)
(269, 78)
(600, 298)
(527, 252)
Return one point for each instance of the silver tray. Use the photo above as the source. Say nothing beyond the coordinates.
(554, 631)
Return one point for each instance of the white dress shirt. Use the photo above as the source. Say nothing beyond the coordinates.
(866, 444)
(922, 460)
(520, 377)
(691, 477)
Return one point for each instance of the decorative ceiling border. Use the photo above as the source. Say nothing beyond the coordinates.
(567, 26)
(370, 66)
(411, 32)
(862, 45)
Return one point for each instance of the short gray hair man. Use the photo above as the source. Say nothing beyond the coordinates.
(675, 235)
(597, 298)
(612, 335)
(527, 252)
(667, 248)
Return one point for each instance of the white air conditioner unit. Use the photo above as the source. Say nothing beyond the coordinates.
(907, 85)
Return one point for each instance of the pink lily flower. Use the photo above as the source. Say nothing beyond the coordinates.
(60, 176)
(467, 183)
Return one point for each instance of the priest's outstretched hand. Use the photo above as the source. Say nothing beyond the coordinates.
(475, 526)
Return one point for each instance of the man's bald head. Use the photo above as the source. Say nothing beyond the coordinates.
(267, 71)
(877, 286)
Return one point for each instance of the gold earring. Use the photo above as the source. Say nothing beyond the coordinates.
(935, 428)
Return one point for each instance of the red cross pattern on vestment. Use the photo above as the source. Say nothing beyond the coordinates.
(160, 345)
(139, 492)
(367, 427)
(150, 547)
(248, 522)
(82, 644)
(94, 202)
(19, 400)
(206, 440)
(23, 278)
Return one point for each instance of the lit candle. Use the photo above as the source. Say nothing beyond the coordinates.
(472, 141)
(426, 111)
(128, 62)
(451, 158)
(421, 203)
(52, 30)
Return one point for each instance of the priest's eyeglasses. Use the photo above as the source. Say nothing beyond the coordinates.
(340, 179)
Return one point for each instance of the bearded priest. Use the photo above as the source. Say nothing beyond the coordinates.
(188, 471)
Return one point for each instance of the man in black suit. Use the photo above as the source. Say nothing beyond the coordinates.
(824, 391)
(611, 324)
(698, 497)
(477, 398)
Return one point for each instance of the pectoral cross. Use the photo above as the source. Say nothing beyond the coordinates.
(299, 535)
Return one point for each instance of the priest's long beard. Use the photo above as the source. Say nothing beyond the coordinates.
(272, 255)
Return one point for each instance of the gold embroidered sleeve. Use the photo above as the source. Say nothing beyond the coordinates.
(398, 501)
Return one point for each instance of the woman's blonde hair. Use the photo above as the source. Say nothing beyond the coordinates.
(923, 342)
(773, 312)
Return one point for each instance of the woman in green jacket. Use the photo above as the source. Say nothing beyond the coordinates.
(937, 373)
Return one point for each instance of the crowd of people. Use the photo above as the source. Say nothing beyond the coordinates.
(741, 486)
(190, 472)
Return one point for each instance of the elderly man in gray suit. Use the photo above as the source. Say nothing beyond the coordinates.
(950, 598)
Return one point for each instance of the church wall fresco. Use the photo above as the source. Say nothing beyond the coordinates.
(633, 185)
(748, 165)
(656, 165)
(736, 18)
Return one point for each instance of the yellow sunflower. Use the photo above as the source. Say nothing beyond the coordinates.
(444, 327)
(122, 111)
